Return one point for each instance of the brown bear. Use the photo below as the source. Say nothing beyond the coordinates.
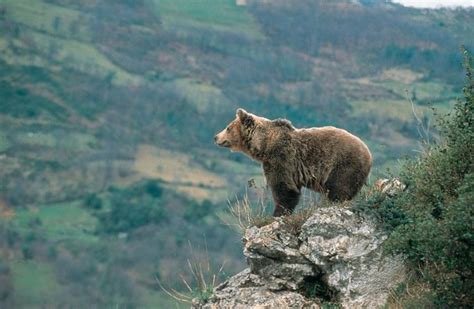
(327, 159)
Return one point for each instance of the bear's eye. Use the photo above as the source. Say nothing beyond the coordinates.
(228, 129)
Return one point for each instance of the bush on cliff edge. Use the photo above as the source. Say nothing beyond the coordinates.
(437, 233)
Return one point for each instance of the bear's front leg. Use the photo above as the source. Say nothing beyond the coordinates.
(285, 199)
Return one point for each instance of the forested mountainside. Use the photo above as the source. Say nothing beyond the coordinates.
(108, 109)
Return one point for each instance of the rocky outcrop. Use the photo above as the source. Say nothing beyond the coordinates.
(248, 290)
(389, 187)
(347, 249)
(336, 256)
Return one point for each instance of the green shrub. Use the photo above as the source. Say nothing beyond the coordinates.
(436, 234)
(197, 212)
(26, 251)
(133, 207)
(385, 209)
(153, 189)
(21, 103)
(92, 201)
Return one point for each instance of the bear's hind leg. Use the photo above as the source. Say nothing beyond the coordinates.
(285, 199)
(342, 185)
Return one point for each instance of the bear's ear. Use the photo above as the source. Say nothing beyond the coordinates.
(245, 118)
(241, 113)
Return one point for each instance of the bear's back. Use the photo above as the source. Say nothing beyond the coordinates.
(332, 137)
(332, 145)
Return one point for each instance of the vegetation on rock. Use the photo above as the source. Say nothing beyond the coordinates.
(437, 234)
(431, 222)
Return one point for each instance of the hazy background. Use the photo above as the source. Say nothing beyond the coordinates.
(108, 110)
(436, 3)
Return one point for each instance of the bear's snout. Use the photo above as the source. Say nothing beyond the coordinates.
(220, 140)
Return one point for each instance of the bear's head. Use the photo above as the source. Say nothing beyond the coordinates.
(250, 134)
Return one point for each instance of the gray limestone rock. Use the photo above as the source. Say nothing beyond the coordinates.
(246, 290)
(339, 247)
(347, 247)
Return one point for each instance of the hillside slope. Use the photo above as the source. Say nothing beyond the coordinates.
(95, 81)
(108, 109)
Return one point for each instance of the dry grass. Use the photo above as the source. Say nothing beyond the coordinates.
(202, 283)
(295, 221)
(244, 214)
(412, 293)
(172, 167)
(5, 211)
(247, 212)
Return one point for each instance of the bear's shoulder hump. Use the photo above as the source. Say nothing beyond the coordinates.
(280, 122)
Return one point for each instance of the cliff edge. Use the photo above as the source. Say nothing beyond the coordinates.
(335, 257)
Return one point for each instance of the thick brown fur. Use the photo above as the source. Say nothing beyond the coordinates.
(328, 160)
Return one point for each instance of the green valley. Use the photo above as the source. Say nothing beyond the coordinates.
(109, 178)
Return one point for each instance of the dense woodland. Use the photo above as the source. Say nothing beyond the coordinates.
(109, 178)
